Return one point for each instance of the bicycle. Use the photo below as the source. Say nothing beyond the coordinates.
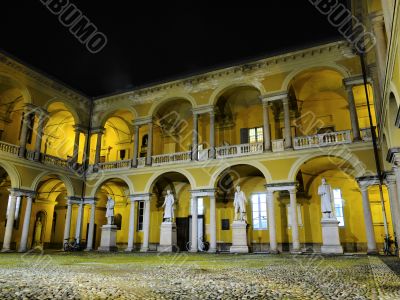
(74, 245)
(202, 245)
(387, 245)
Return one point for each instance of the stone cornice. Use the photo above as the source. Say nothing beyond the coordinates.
(281, 186)
(41, 79)
(143, 121)
(22, 192)
(366, 181)
(355, 80)
(274, 96)
(203, 192)
(140, 197)
(256, 69)
(203, 109)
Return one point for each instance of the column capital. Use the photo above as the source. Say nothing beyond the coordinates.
(275, 96)
(206, 192)
(376, 17)
(143, 121)
(349, 82)
(81, 128)
(74, 200)
(98, 130)
(282, 186)
(90, 200)
(393, 156)
(366, 181)
(203, 109)
(21, 192)
(389, 178)
(140, 197)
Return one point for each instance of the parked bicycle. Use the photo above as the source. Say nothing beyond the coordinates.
(74, 245)
(389, 245)
(202, 245)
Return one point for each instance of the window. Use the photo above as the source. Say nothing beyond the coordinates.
(256, 135)
(299, 216)
(337, 198)
(140, 215)
(259, 209)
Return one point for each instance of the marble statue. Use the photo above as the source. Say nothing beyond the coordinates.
(325, 192)
(110, 211)
(239, 203)
(38, 231)
(169, 207)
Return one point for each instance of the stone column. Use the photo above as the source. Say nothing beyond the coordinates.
(78, 229)
(24, 134)
(86, 148)
(98, 146)
(353, 112)
(89, 245)
(396, 171)
(23, 247)
(273, 246)
(369, 228)
(67, 227)
(194, 247)
(213, 226)
(266, 129)
(10, 223)
(135, 147)
(76, 144)
(146, 226)
(394, 203)
(295, 226)
(288, 132)
(195, 142)
(380, 45)
(150, 144)
(39, 136)
(212, 134)
(131, 236)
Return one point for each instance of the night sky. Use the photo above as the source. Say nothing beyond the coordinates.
(153, 42)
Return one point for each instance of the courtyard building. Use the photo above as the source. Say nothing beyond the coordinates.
(275, 127)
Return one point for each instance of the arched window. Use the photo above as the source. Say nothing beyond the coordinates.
(118, 221)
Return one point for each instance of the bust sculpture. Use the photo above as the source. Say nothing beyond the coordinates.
(110, 211)
(169, 207)
(325, 192)
(239, 203)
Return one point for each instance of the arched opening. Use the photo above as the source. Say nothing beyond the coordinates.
(173, 121)
(319, 105)
(233, 124)
(11, 112)
(5, 185)
(48, 214)
(346, 204)
(179, 187)
(252, 182)
(118, 190)
(117, 138)
(394, 131)
(59, 133)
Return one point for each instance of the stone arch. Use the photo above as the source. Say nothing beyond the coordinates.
(333, 66)
(110, 113)
(16, 82)
(13, 173)
(68, 106)
(257, 165)
(66, 180)
(123, 178)
(222, 89)
(153, 179)
(297, 164)
(157, 104)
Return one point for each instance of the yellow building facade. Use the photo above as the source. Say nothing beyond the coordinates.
(274, 126)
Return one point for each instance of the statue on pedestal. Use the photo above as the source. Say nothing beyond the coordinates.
(38, 232)
(239, 203)
(169, 207)
(325, 192)
(110, 211)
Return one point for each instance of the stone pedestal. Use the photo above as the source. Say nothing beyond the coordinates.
(330, 237)
(167, 237)
(239, 237)
(108, 241)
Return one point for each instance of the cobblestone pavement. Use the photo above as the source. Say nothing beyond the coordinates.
(190, 276)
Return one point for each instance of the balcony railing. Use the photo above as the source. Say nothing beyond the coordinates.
(322, 140)
(30, 155)
(141, 162)
(239, 150)
(9, 148)
(165, 159)
(120, 164)
(55, 161)
(278, 145)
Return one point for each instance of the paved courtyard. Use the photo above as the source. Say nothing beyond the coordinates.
(195, 276)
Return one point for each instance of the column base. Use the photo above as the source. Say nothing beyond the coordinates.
(22, 250)
(331, 249)
(276, 251)
(129, 249)
(88, 249)
(108, 249)
(193, 250)
(296, 251)
(212, 250)
(372, 252)
(239, 249)
(144, 249)
(6, 251)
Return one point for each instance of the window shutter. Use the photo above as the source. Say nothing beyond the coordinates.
(244, 135)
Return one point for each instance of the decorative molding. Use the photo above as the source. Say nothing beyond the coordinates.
(281, 186)
(274, 96)
(203, 192)
(140, 197)
(143, 121)
(203, 109)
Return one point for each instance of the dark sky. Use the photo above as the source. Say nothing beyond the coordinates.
(155, 42)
